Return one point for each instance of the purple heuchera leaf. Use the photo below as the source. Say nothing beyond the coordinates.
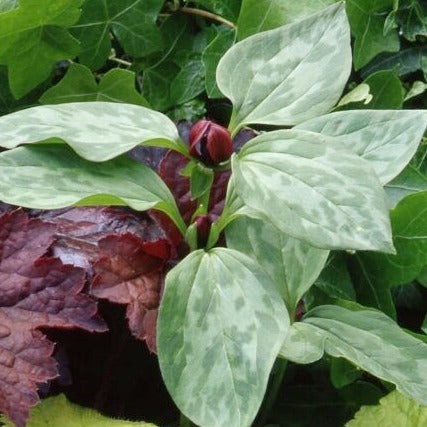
(35, 292)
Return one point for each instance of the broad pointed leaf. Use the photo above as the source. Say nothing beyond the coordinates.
(33, 37)
(387, 139)
(313, 189)
(292, 264)
(220, 328)
(58, 411)
(372, 341)
(290, 74)
(79, 85)
(97, 131)
(53, 176)
(133, 23)
(35, 292)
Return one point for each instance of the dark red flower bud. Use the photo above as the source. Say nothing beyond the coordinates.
(203, 224)
(210, 142)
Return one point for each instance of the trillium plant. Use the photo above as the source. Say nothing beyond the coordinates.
(248, 226)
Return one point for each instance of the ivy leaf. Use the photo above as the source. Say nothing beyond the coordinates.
(387, 139)
(409, 181)
(222, 299)
(132, 22)
(313, 189)
(290, 74)
(97, 131)
(58, 411)
(412, 16)
(34, 292)
(373, 342)
(292, 264)
(393, 409)
(79, 85)
(367, 19)
(37, 177)
(386, 89)
(42, 28)
(375, 274)
(211, 57)
(261, 15)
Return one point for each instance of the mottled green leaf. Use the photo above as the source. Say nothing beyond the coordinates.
(133, 23)
(6, 5)
(290, 74)
(394, 409)
(409, 181)
(228, 9)
(51, 176)
(292, 264)
(361, 93)
(220, 327)
(58, 411)
(79, 85)
(312, 188)
(418, 88)
(97, 131)
(261, 15)
(387, 139)
(367, 19)
(409, 224)
(372, 341)
(211, 56)
(303, 344)
(33, 37)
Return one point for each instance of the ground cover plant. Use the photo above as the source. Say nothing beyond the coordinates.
(256, 205)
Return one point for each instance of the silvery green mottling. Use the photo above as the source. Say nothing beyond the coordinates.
(53, 176)
(375, 343)
(97, 131)
(292, 264)
(290, 74)
(323, 194)
(219, 333)
(387, 139)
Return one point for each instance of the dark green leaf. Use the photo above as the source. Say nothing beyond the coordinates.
(386, 90)
(33, 37)
(261, 15)
(335, 280)
(220, 327)
(367, 19)
(412, 16)
(343, 372)
(211, 56)
(133, 23)
(409, 181)
(79, 85)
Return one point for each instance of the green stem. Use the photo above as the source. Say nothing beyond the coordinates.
(208, 15)
(272, 392)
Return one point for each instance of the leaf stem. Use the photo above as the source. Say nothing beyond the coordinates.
(119, 61)
(207, 15)
(272, 392)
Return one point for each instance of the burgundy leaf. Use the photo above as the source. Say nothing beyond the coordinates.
(131, 271)
(35, 292)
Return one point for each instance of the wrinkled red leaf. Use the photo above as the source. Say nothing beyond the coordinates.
(35, 292)
(131, 271)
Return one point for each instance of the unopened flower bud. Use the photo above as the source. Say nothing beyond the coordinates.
(210, 142)
(203, 225)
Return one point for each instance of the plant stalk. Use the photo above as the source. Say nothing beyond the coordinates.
(208, 15)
